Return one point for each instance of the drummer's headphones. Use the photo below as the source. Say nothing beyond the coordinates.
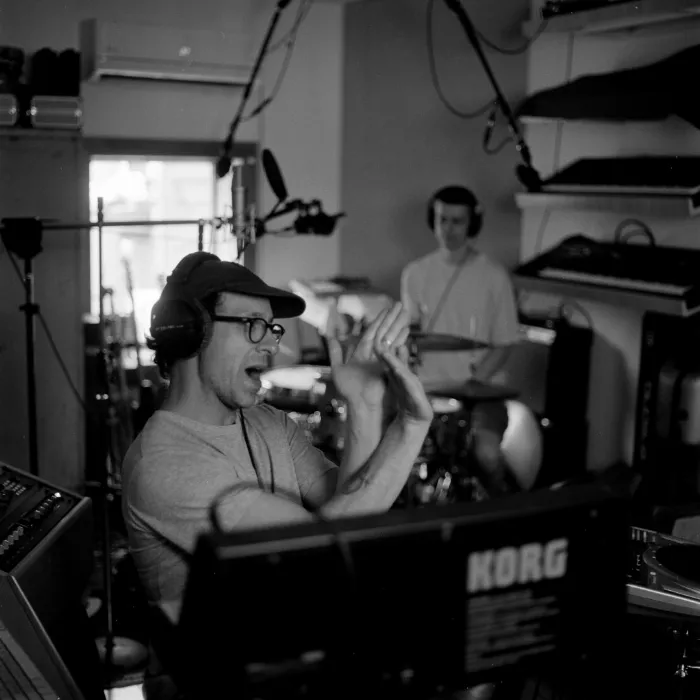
(180, 322)
(456, 194)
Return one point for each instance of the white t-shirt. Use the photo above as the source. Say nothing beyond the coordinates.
(479, 305)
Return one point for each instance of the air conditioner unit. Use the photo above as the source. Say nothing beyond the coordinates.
(139, 52)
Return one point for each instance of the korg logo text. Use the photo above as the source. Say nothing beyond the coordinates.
(500, 568)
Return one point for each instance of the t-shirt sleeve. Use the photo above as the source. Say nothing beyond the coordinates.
(505, 312)
(173, 498)
(316, 474)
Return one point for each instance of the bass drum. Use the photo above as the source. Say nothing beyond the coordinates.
(445, 476)
(523, 444)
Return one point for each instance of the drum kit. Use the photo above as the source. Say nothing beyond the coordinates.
(444, 470)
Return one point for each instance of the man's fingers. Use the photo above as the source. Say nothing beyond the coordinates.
(402, 353)
(401, 338)
(368, 337)
(397, 366)
(335, 352)
(394, 330)
(395, 320)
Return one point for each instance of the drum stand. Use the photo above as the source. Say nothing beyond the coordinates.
(458, 482)
(688, 665)
(115, 652)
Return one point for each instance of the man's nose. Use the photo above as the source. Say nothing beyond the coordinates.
(269, 344)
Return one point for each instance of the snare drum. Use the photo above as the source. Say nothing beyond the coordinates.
(299, 391)
(442, 473)
(299, 388)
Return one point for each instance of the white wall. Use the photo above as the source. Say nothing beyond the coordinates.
(553, 59)
(401, 143)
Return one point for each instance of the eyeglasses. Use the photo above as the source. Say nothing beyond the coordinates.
(257, 327)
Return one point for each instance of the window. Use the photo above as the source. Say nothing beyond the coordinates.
(143, 189)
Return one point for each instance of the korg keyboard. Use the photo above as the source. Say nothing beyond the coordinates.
(646, 277)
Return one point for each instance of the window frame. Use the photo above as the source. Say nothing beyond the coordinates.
(176, 149)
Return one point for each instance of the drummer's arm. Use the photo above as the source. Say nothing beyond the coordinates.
(408, 298)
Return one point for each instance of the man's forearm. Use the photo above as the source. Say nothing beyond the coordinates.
(373, 487)
(363, 431)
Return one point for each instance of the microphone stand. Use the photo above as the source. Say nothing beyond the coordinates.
(224, 164)
(22, 237)
(526, 173)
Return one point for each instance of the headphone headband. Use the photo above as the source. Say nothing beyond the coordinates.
(458, 195)
(184, 269)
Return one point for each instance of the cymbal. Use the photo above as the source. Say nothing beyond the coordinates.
(470, 391)
(336, 288)
(350, 292)
(443, 342)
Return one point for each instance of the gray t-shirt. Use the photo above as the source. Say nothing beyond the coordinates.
(480, 304)
(177, 467)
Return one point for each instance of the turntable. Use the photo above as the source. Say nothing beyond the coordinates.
(664, 575)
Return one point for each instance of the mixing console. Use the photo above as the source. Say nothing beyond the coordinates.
(29, 509)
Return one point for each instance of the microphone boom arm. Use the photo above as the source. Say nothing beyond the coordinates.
(228, 143)
(526, 171)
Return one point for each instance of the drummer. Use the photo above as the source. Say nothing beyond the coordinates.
(459, 290)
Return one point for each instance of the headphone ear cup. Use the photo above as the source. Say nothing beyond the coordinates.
(476, 221)
(430, 214)
(181, 324)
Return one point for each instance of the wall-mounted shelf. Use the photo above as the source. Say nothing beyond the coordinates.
(624, 17)
(15, 134)
(535, 120)
(662, 206)
(606, 295)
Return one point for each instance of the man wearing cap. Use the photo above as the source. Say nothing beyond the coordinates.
(214, 331)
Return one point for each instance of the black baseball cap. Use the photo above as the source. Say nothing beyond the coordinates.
(200, 274)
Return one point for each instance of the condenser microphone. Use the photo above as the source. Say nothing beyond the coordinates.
(239, 203)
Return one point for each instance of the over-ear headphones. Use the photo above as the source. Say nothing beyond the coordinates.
(178, 320)
(456, 194)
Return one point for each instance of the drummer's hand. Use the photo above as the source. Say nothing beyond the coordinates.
(410, 400)
(360, 379)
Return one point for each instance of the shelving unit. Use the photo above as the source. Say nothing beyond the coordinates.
(615, 18)
(661, 206)
(11, 133)
(541, 120)
(604, 295)
(624, 17)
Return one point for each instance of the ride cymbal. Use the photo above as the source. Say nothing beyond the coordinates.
(443, 342)
(470, 391)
